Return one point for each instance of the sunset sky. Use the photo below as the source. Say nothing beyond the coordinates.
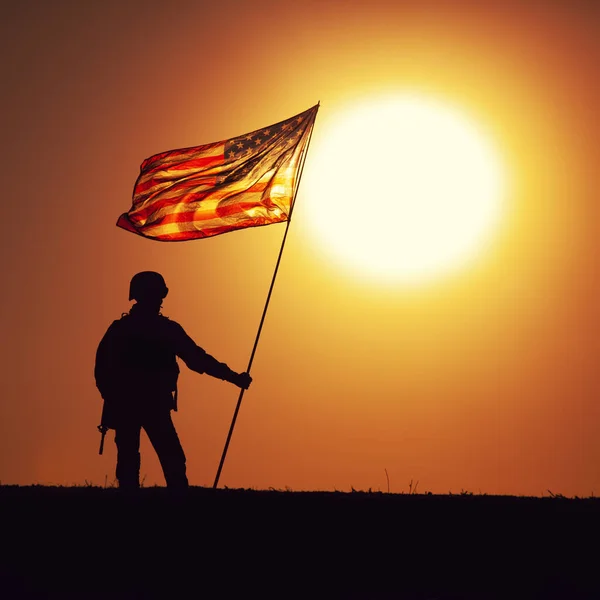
(483, 380)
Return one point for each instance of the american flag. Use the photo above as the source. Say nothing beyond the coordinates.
(203, 191)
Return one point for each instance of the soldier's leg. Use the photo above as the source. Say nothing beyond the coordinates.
(127, 438)
(164, 439)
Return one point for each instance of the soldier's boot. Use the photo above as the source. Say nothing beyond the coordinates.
(175, 476)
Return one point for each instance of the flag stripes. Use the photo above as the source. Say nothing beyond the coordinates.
(207, 190)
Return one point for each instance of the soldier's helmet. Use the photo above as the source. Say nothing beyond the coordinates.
(147, 285)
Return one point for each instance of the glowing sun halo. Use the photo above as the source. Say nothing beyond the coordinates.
(403, 189)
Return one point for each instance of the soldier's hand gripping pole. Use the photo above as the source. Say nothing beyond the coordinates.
(102, 429)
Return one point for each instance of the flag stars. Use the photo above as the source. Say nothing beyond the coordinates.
(246, 148)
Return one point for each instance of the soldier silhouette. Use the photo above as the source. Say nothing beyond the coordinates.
(136, 373)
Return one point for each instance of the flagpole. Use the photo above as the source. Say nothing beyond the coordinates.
(264, 314)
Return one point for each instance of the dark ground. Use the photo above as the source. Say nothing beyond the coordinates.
(89, 542)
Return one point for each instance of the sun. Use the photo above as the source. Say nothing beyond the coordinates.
(403, 189)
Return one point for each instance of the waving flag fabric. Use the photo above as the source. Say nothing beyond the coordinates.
(207, 190)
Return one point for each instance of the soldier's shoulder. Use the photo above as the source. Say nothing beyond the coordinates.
(115, 330)
(170, 324)
(167, 320)
(122, 320)
(176, 332)
(117, 322)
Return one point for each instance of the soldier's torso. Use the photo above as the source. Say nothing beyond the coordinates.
(141, 365)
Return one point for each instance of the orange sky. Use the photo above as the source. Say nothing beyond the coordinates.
(486, 381)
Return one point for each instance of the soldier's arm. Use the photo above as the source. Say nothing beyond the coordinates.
(200, 361)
